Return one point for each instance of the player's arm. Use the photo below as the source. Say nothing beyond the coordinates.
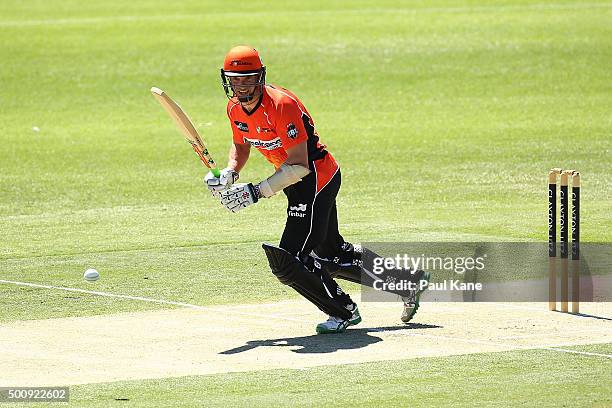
(290, 172)
(238, 156)
(294, 169)
(294, 138)
(297, 154)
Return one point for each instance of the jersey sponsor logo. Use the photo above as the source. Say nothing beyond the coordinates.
(241, 126)
(292, 131)
(264, 144)
(264, 130)
(299, 207)
(297, 210)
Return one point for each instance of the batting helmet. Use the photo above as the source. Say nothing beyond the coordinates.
(242, 61)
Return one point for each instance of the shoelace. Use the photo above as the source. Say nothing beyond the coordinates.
(334, 319)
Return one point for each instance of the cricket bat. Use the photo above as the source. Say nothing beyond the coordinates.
(185, 125)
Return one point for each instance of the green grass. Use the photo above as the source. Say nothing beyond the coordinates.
(527, 378)
(459, 109)
(166, 274)
(444, 116)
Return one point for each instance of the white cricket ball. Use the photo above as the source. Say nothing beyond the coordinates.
(36, 129)
(91, 275)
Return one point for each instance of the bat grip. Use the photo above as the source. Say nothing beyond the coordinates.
(215, 171)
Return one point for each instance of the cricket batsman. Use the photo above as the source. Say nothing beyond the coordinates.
(311, 252)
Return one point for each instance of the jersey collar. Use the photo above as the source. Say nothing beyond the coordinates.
(256, 105)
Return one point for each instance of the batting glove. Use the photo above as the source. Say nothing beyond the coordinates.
(226, 179)
(240, 196)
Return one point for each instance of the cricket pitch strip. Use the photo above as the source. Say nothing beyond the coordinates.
(181, 342)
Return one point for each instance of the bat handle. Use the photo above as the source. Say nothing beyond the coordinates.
(215, 171)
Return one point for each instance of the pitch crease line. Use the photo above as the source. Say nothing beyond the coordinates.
(512, 347)
(151, 300)
(586, 353)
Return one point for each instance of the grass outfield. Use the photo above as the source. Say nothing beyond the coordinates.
(460, 108)
(444, 115)
(525, 378)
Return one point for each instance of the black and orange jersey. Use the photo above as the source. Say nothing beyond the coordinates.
(278, 122)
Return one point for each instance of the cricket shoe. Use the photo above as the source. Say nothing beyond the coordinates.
(338, 325)
(411, 302)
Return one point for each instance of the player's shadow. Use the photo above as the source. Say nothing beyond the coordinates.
(328, 343)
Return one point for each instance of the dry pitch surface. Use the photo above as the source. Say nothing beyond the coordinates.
(209, 340)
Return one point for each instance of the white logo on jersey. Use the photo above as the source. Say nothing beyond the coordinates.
(292, 131)
(297, 210)
(264, 144)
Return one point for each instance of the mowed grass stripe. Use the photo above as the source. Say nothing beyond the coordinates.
(530, 378)
(218, 14)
